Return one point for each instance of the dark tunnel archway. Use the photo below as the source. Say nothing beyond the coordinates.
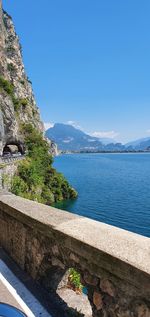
(14, 146)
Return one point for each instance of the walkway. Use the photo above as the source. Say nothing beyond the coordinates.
(11, 159)
(19, 290)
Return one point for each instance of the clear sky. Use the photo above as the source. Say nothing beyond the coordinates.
(89, 61)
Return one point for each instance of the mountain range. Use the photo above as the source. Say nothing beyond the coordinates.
(69, 138)
(140, 144)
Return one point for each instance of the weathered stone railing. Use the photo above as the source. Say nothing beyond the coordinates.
(11, 159)
(114, 263)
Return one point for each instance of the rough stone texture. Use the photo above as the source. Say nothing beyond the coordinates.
(53, 147)
(79, 303)
(97, 300)
(7, 171)
(12, 69)
(114, 264)
(107, 287)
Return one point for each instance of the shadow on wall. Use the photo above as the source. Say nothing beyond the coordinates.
(70, 296)
(28, 303)
(68, 302)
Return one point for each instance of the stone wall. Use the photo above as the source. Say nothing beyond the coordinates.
(114, 264)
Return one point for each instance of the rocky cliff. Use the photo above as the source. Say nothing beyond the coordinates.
(34, 178)
(17, 102)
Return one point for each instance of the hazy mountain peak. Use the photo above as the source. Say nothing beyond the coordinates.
(70, 138)
(140, 144)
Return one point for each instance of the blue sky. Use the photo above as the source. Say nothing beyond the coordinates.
(89, 61)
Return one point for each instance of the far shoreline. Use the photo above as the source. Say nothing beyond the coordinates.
(103, 152)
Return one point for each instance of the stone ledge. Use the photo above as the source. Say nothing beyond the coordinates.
(123, 245)
(46, 242)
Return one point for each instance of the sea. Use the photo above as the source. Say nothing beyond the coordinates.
(112, 188)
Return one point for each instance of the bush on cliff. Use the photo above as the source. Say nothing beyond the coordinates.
(36, 179)
(6, 86)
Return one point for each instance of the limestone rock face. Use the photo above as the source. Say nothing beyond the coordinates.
(21, 107)
(53, 148)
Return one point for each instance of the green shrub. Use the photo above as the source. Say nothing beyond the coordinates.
(11, 67)
(16, 103)
(6, 86)
(74, 280)
(19, 186)
(43, 182)
(9, 89)
(23, 102)
(48, 196)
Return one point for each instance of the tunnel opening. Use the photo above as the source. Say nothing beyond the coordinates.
(13, 148)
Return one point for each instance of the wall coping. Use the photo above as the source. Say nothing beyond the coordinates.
(123, 245)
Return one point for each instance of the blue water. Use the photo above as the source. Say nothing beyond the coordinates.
(112, 188)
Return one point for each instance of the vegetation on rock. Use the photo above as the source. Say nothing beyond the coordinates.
(11, 67)
(36, 179)
(74, 281)
(6, 86)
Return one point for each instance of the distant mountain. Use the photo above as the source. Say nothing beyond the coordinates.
(105, 140)
(69, 138)
(141, 144)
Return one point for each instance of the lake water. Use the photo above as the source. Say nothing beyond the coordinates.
(112, 188)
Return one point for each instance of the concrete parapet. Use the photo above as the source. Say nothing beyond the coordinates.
(114, 264)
